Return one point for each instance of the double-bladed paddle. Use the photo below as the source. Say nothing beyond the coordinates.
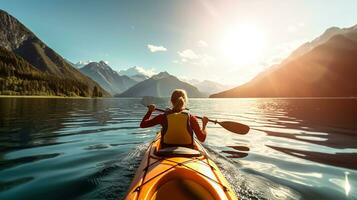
(231, 126)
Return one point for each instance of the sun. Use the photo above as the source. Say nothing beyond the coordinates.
(243, 44)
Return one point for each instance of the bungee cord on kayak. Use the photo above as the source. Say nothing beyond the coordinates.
(180, 173)
(193, 159)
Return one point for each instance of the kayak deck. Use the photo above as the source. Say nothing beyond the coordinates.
(178, 173)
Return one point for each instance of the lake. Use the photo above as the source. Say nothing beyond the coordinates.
(90, 148)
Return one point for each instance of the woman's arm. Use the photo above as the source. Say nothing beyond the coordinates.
(147, 122)
(200, 133)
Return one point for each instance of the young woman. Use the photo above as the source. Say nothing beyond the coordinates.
(177, 124)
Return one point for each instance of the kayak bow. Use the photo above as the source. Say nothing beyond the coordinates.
(178, 173)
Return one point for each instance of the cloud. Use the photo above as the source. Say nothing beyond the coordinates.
(154, 48)
(138, 70)
(188, 54)
(149, 72)
(202, 43)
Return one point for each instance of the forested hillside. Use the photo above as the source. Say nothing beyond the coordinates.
(18, 77)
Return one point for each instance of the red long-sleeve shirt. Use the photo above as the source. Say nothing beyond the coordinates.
(160, 119)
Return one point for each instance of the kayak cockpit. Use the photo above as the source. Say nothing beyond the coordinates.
(178, 189)
(177, 152)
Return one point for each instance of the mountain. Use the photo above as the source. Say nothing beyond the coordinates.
(109, 79)
(210, 87)
(191, 81)
(206, 86)
(350, 33)
(160, 85)
(328, 70)
(139, 77)
(137, 73)
(16, 38)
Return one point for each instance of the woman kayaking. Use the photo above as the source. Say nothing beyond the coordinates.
(177, 124)
(175, 172)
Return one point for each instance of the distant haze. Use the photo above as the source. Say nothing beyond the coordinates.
(224, 41)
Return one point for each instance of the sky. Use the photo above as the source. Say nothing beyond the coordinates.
(229, 41)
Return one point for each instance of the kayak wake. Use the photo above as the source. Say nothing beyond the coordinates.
(248, 185)
(110, 181)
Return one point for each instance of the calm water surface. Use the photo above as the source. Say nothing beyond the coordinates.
(90, 148)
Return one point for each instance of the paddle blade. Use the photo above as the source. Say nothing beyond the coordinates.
(235, 127)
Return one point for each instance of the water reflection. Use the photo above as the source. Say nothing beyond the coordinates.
(347, 185)
(292, 141)
(26, 123)
(22, 121)
(13, 183)
(326, 122)
(296, 149)
(347, 160)
(57, 147)
(240, 151)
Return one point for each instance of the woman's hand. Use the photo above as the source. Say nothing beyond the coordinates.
(151, 108)
(204, 122)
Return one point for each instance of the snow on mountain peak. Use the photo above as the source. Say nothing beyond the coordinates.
(133, 71)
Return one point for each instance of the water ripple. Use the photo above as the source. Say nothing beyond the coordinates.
(90, 148)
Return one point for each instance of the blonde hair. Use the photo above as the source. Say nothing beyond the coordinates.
(178, 99)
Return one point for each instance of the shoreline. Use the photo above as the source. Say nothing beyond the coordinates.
(43, 97)
(79, 97)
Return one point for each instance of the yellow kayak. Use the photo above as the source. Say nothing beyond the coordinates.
(178, 173)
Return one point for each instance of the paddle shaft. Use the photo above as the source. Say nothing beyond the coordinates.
(231, 126)
(210, 120)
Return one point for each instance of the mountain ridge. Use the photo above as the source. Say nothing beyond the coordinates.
(105, 76)
(160, 85)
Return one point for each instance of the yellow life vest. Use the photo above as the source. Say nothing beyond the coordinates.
(178, 131)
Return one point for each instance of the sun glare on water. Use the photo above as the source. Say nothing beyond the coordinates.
(243, 45)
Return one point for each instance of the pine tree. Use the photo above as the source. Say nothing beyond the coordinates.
(95, 92)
